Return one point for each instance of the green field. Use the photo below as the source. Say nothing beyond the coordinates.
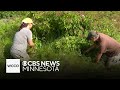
(61, 35)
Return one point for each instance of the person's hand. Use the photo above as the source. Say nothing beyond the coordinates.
(86, 51)
(96, 61)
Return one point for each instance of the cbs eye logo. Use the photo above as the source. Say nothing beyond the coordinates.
(12, 65)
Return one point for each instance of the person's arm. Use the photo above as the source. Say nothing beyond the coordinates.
(100, 53)
(30, 43)
(93, 46)
(29, 39)
(98, 57)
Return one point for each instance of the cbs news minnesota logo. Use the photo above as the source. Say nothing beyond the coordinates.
(12, 65)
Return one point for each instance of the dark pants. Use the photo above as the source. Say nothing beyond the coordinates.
(111, 61)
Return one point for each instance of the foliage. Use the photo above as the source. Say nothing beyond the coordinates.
(59, 35)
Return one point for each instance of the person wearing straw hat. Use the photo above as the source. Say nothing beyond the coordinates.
(107, 45)
(21, 40)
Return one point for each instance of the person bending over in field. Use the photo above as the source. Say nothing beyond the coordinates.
(106, 45)
(22, 38)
